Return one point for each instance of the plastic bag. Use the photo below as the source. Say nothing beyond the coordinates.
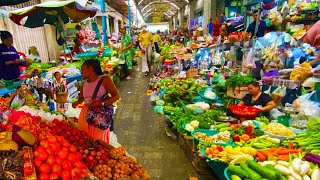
(307, 107)
(278, 94)
(156, 56)
(248, 64)
(158, 109)
(268, 91)
(154, 96)
(310, 82)
(275, 113)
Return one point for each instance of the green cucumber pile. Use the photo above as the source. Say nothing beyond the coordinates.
(254, 171)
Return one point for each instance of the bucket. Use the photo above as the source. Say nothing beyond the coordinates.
(284, 120)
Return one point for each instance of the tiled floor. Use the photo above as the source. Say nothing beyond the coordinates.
(142, 133)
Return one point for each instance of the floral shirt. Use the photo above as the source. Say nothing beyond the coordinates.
(60, 87)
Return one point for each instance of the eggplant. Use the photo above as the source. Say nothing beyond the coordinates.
(313, 158)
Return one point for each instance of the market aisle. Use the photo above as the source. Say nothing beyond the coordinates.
(142, 133)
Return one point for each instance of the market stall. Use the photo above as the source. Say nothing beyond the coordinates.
(198, 87)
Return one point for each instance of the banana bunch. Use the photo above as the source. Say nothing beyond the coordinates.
(301, 72)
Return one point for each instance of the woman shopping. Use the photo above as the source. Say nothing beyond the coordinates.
(9, 58)
(98, 92)
(60, 92)
(126, 51)
(146, 41)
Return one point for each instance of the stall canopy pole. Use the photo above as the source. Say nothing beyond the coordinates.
(129, 18)
(104, 22)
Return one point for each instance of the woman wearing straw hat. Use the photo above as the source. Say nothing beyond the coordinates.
(146, 41)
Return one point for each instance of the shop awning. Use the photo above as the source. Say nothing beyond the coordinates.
(12, 2)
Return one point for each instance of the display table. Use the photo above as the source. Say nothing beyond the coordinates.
(4, 91)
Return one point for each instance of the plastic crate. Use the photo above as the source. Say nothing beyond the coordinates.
(287, 83)
(238, 92)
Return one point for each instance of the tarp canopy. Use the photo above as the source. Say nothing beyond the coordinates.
(50, 12)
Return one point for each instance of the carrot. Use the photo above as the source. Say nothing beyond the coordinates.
(291, 145)
(275, 152)
(271, 150)
(283, 157)
(258, 159)
(288, 151)
(265, 153)
(261, 156)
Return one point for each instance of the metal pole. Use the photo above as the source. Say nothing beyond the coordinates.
(104, 22)
(129, 18)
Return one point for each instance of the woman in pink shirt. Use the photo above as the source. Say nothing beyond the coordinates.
(92, 73)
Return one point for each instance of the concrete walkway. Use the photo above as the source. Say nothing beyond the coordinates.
(142, 133)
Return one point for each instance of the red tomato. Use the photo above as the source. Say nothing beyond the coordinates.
(65, 149)
(59, 138)
(43, 176)
(78, 156)
(43, 155)
(67, 166)
(72, 149)
(37, 162)
(62, 154)
(52, 139)
(51, 160)
(41, 148)
(45, 144)
(45, 168)
(36, 154)
(72, 158)
(50, 151)
(78, 165)
(28, 171)
(56, 169)
(59, 161)
(53, 176)
(55, 147)
(65, 175)
(65, 144)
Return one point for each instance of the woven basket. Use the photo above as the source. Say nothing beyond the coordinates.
(62, 98)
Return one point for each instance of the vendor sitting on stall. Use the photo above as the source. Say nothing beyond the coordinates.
(258, 99)
(18, 96)
(77, 47)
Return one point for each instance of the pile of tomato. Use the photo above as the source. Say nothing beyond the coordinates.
(55, 158)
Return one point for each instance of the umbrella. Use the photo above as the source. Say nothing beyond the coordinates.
(50, 12)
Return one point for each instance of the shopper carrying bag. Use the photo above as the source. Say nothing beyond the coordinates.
(98, 93)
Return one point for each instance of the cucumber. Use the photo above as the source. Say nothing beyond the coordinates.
(235, 177)
(278, 173)
(265, 172)
(252, 174)
(219, 126)
(237, 170)
(225, 129)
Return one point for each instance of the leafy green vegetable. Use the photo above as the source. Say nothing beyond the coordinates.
(239, 80)
(204, 144)
(313, 125)
(240, 130)
(257, 132)
(263, 119)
